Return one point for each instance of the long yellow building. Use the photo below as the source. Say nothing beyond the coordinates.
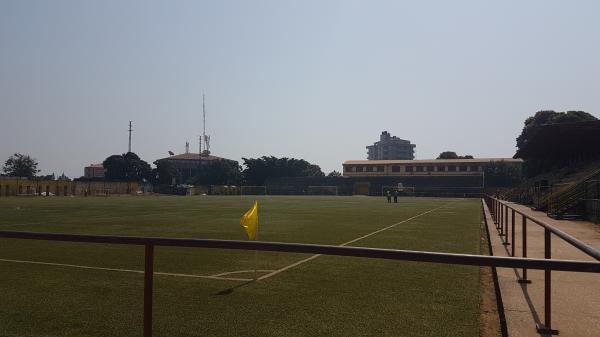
(429, 167)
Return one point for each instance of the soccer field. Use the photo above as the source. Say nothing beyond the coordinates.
(76, 289)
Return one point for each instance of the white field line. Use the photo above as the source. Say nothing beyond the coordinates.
(21, 224)
(221, 275)
(213, 277)
(243, 271)
(347, 243)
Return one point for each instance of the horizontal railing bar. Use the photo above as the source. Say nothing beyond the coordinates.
(582, 246)
(390, 254)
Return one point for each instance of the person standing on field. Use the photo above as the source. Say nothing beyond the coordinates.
(389, 196)
(395, 195)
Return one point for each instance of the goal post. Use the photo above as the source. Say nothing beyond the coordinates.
(322, 190)
(253, 190)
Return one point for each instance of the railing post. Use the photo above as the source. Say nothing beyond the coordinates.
(505, 223)
(546, 328)
(497, 213)
(523, 278)
(501, 222)
(148, 278)
(506, 243)
(495, 209)
(512, 238)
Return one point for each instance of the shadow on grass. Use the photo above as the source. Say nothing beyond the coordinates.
(232, 289)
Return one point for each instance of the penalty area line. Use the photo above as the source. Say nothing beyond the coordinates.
(211, 277)
(347, 243)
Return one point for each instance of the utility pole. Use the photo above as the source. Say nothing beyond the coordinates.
(130, 130)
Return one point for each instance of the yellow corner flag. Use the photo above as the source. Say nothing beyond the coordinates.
(250, 221)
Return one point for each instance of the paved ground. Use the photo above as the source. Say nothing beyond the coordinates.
(575, 296)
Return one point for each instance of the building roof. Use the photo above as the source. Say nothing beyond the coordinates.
(193, 156)
(95, 165)
(432, 161)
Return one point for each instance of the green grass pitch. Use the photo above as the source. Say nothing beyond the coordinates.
(326, 296)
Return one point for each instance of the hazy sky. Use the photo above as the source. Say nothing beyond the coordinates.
(317, 80)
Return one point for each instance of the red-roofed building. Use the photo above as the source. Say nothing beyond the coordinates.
(189, 164)
(94, 171)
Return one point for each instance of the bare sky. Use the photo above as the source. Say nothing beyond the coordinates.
(317, 80)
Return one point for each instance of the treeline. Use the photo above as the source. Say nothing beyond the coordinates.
(254, 171)
(130, 167)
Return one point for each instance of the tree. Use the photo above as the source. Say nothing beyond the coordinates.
(549, 117)
(20, 165)
(165, 172)
(137, 169)
(551, 140)
(218, 172)
(127, 167)
(115, 167)
(257, 170)
(453, 155)
(334, 173)
(447, 155)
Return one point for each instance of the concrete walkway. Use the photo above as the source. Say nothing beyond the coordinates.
(575, 296)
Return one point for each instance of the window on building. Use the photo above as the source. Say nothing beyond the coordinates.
(463, 168)
(451, 168)
(419, 168)
(380, 169)
(364, 169)
(441, 168)
(430, 168)
(473, 168)
(409, 169)
(395, 168)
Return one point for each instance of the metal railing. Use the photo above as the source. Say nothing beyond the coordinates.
(500, 212)
(391, 254)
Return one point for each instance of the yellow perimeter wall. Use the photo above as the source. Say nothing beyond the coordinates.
(10, 187)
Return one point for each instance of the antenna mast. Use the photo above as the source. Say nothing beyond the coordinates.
(203, 120)
(130, 130)
(205, 138)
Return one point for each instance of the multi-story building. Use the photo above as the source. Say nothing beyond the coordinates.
(391, 148)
